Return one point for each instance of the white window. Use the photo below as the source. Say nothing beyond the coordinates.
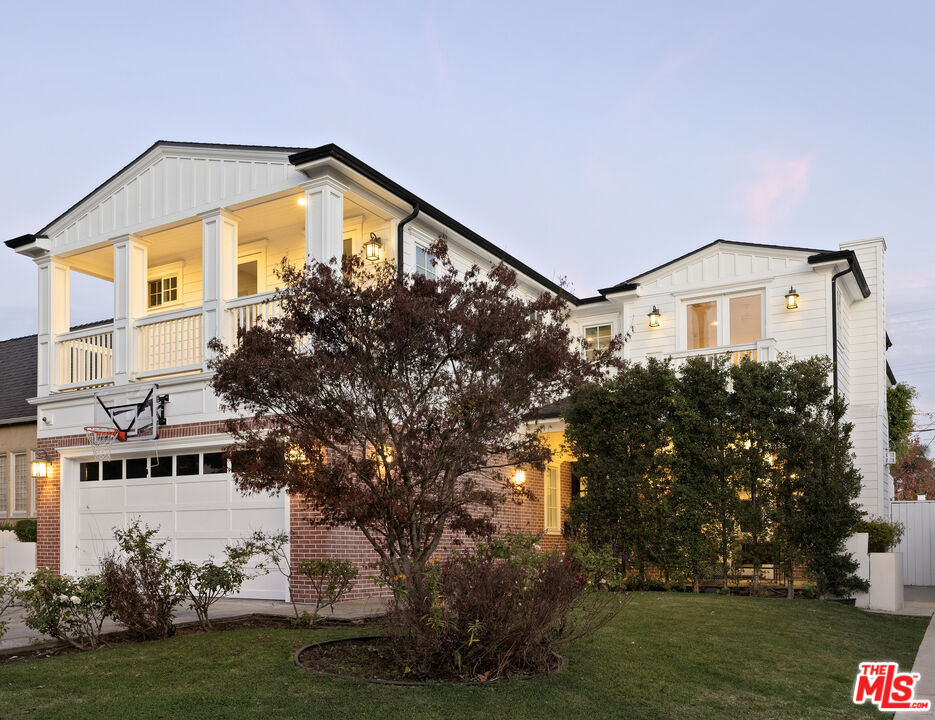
(247, 277)
(21, 479)
(596, 339)
(725, 320)
(164, 291)
(552, 500)
(425, 263)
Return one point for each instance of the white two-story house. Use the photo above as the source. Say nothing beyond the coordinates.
(189, 235)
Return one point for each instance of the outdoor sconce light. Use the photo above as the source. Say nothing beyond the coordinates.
(654, 316)
(40, 469)
(296, 455)
(302, 201)
(792, 299)
(519, 477)
(373, 248)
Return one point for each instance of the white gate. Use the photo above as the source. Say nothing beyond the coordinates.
(918, 541)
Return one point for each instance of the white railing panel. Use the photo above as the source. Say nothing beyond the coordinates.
(248, 312)
(170, 342)
(86, 358)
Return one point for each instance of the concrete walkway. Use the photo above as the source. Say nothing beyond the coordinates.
(924, 665)
(20, 636)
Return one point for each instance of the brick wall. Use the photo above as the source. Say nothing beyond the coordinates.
(309, 540)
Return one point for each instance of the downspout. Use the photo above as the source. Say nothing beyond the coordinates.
(834, 325)
(399, 238)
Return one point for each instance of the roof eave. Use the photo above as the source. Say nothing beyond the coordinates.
(848, 256)
(306, 158)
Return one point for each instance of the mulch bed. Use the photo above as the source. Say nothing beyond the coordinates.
(122, 637)
(369, 658)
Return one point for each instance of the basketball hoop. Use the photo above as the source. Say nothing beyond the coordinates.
(102, 438)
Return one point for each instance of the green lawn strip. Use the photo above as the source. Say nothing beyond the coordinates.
(665, 655)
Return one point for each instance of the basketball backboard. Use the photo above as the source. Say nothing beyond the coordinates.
(131, 410)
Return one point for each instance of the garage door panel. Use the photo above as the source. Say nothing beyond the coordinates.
(262, 499)
(160, 520)
(99, 525)
(100, 496)
(201, 521)
(210, 493)
(149, 494)
(201, 549)
(246, 522)
(91, 552)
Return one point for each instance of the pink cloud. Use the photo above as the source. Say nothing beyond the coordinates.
(778, 189)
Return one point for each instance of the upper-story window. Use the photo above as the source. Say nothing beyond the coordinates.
(425, 263)
(728, 320)
(596, 339)
(163, 291)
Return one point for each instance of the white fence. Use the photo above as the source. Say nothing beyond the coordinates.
(918, 541)
(86, 357)
(170, 342)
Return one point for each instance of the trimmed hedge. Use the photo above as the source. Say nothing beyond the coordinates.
(26, 530)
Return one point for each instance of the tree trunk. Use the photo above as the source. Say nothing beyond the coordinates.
(696, 584)
(790, 583)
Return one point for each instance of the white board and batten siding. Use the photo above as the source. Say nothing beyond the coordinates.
(918, 542)
(169, 185)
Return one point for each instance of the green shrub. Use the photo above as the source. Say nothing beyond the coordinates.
(144, 590)
(207, 583)
(9, 596)
(69, 609)
(884, 534)
(26, 530)
(499, 611)
(331, 580)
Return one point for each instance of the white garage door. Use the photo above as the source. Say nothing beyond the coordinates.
(189, 497)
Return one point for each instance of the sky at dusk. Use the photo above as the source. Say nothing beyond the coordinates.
(592, 141)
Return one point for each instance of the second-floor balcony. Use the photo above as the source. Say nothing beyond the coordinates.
(168, 343)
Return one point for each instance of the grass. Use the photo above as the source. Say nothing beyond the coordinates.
(666, 655)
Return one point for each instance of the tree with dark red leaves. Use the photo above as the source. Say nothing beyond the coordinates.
(397, 405)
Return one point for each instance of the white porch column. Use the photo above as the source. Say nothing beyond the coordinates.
(218, 273)
(53, 319)
(131, 259)
(324, 219)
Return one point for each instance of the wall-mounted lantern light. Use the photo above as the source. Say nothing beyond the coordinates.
(40, 469)
(792, 299)
(519, 477)
(373, 248)
(302, 201)
(654, 316)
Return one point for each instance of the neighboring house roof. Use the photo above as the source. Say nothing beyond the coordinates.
(18, 360)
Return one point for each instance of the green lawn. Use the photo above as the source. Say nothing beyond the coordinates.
(666, 655)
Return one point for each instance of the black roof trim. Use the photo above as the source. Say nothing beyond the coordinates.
(162, 143)
(851, 258)
(333, 151)
(619, 288)
(889, 374)
(889, 343)
(21, 240)
(592, 300)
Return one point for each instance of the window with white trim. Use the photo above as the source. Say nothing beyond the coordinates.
(724, 320)
(425, 263)
(596, 339)
(163, 291)
(21, 477)
(552, 500)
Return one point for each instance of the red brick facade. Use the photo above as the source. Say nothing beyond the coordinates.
(308, 540)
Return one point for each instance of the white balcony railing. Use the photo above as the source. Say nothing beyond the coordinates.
(170, 342)
(759, 351)
(86, 357)
(247, 312)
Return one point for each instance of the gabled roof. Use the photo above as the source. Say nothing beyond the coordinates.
(300, 156)
(18, 360)
(631, 283)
